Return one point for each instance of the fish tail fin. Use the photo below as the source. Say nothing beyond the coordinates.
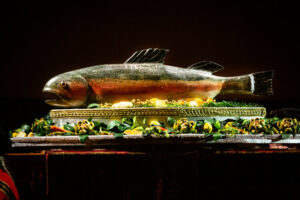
(261, 82)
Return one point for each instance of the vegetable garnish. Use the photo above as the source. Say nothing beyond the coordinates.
(131, 126)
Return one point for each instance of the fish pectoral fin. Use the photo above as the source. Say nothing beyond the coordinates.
(151, 55)
(208, 66)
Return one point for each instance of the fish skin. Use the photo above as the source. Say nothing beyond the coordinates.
(109, 83)
(112, 90)
(116, 82)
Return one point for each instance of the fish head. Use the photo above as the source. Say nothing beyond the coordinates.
(66, 90)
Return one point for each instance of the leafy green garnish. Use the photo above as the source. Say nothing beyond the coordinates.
(48, 119)
(210, 121)
(218, 136)
(172, 131)
(230, 104)
(93, 105)
(69, 127)
(113, 124)
(83, 138)
(127, 120)
(217, 124)
(41, 127)
(134, 123)
(144, 122)
(199, 125)
(245, 122)
(17, 130)
(167, 135)
(25, 128)
(117, 127)
(273, 121)
(123, 126)
(171, 121)
(98, 125)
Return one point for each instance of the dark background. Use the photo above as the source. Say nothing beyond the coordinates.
(40, 39)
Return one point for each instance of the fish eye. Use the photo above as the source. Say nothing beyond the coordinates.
(63, 84)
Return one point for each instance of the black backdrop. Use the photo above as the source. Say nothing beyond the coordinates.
(43, 38)
(40, 39)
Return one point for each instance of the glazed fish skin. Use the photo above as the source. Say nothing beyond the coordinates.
(154, 72)
(145, 76)
(129, 81)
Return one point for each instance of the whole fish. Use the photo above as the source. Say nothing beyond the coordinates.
(145, 76)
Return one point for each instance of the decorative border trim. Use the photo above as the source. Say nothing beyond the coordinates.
(178, 112)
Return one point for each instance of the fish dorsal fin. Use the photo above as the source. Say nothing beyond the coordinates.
(152, 55)
(208, 66)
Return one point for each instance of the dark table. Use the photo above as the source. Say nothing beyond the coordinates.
(157, 172)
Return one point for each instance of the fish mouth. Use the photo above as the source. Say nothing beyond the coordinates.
(53, 98)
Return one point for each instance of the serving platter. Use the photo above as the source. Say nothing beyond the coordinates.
(61, 116)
